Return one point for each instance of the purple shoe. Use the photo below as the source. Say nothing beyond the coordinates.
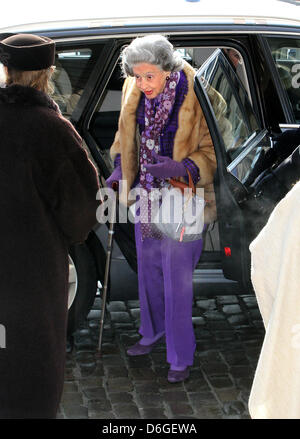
(175, 376)
(139, 349)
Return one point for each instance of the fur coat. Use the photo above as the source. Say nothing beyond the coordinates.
(47, 201)
(192, 139)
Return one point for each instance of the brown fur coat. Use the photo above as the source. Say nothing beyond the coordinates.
(192, 139)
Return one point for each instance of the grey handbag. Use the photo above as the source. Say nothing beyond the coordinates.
(181, 212)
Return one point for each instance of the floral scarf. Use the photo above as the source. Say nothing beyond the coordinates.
(157, 112)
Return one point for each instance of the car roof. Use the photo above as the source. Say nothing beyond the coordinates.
(58, 14)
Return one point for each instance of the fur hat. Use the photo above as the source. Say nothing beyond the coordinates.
(27, 52)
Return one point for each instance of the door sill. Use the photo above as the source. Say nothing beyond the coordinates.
(211, 282)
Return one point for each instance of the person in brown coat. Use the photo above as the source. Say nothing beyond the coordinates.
(47, 202)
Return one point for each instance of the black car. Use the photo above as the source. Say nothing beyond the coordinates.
(254, 63)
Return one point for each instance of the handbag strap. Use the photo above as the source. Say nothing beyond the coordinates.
(181, 185)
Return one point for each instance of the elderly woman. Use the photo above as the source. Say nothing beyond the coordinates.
(48, 201)
(172, 137)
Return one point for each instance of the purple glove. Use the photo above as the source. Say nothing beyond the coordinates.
(115, 177)
(166, 167)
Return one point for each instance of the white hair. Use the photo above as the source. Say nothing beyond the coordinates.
(150, 49)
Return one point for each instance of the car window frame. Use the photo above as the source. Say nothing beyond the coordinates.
(282, 93)
(236, 94)
(248, 145)
(94, 74)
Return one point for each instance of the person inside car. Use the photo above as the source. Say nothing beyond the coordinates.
(48, 201)
(234, 57)
(173, 137)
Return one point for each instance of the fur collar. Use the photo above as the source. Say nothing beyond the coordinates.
(187, 136)
(18, 94)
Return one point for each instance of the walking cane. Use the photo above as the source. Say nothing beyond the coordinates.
(111, 232)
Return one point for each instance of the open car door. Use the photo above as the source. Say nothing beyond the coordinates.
(240, 146)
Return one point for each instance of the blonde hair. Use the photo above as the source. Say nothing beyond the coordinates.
(38, 79)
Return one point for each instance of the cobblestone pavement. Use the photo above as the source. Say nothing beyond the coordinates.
(229, 334)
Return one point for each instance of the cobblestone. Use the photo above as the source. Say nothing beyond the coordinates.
(110, 385)
(153, 413)
(126, 411)
(232, 309)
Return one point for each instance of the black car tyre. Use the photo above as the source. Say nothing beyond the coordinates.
(82, 285)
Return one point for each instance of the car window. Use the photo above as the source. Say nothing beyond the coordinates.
(73, 67)
(230, 103)
(286, 55)
(239, 129)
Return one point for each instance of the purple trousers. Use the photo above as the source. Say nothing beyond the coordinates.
(165, 271)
